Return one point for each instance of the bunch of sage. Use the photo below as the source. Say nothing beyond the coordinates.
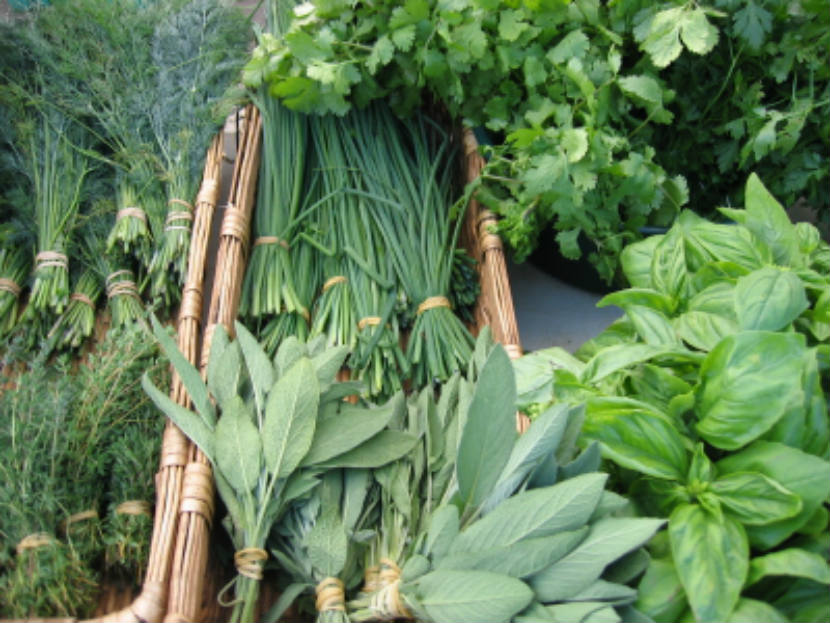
(282, 424)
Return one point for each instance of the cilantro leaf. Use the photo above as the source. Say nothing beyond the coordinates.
(753, 23)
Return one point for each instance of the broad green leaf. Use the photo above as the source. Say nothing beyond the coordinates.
(286, 599)
(662, 41)
(534, 513)
(608, 540)
(660, 593)
(716, 298)
(752, 23)
(383, 448)
(537, 613)
(356, 483)
(572, 45)
(635, 259)
(706, 242)
(769, 299)
(610, 503)
(589, 460)
(225, 366)
(327, 544)
(755, 500)
(517, 560)
(449, 595)
(190, 377)
(668, 265)
(754, 611)
(628, 568)
(639, 296)
(260, 368)
(642, 89)
(714, 274)
(575, 143)
(191, 424)
(290, 418)
(653, 327)
(746, 383)
(328, 364)
(620, 356)
(799, 472)
(585, 612)
(298, 485)
(698, 35)
(486, 439)
(608, 592)
(704, 330)
(415, 567)
(350, 428)
(711, 558)
(701, 471)
(792, 562)
(542, 438)
(804, 600)
(636, 436)
(443, 530)
(289, 352)
(657, 386)
(238, 446)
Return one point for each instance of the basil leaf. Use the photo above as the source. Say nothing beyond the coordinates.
(643, 297)
(488, 433)
(704, 330)
(449, 595)
(792, 562)
(754, 499)
(769, 299)
(668, 265)
(238, 446)
(619, 356)
(711, 558)
(636, 436)
(635, 259)
(753, 611)
(652, 326)
(746, 384)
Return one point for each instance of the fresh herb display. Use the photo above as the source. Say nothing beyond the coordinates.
(78, 321)
(281, 424)
(584, 99)
(15, 265)
(710, 396)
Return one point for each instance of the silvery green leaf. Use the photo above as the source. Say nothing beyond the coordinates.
(238, 446)
(351, 427)
(338, 391)
(628, 568)
(260, 368)
(609, 592)
(609, 503)
(608, 540)
(630, 614)
(229, 498)
(585, 612)
(488, 434)
(383, 448)
(546, 474)
(189, 375)
(355, 488)
(541, 439)
(290, 351)
(481, 351)
(520, 559)
(290, 418)
(415, 566)
(535, 613)
(287, 597)
(298, 485)
(191, 424)
(316, 345)
(327, 544)
(534, 513)
(449, 398)
(224, 367)
(479, 596)
(443, 530)
(588, 460)
(328, 363)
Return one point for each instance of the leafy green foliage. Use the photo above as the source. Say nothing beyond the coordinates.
(708, 397)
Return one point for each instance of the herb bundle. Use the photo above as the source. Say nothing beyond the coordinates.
(196, 51)
(15, 264)
(78, 320)
(281, 425)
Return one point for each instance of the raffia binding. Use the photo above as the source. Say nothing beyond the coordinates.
(45, 259)
(82, 298)
(174, 448)
(7, 285)
(185, 204)
(134, 507)
(34, 541)
(78, 517)
(131, 212)
(197, 490)
(369, 321)
(192, 302)
(207, 193)
(331, 595)
(304, 313)
(487, 240)
(271, 240)
(236, 224)
(149, 605)
(171, 222)
(386, 603)
(371, 579)
(333, 281)
(432, 302)
(514, 351)
(126, 287)
(249, 562)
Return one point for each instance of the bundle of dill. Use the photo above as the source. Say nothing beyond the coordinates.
(198, 51)
(15, 264)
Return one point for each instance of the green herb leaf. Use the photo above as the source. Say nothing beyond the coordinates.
(791, 562)
(754, 499)
(238, 446)
(769, 299)
(383, 448)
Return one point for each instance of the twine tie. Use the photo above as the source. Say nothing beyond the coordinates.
(271, 240)
(7, 285)
(368, 321)
(432, 302)
(45, 259)
(133, 507)
(249, 562)
(330, 595)
(131, 212)
(333, 281)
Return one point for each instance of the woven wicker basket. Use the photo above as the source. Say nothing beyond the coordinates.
(180, 584)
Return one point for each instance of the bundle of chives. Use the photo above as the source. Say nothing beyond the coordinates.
(15, 264)
(268, 287)
(78, 321)
(412, 210)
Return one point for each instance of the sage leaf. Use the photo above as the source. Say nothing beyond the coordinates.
(585, 612)
(589, 460)
(238, 447)
(190, 424)
(609, 592)
(534, 513)
(383, 448)
(289, 352)
(328, 363)
(791, 562)
(711, 558)
(327, 543)
(188, 374)
(628, 568)
(290, 418)
(224, 366)
(608, 540)
(449, 595)
(260, 368)
(443, 530)
(486, 440)
(351, 427)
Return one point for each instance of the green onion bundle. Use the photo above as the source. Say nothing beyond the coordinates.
(412, 210)
(58, 170)
(15, 264)
(78, 320)
(198, 51)
(269, 286)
